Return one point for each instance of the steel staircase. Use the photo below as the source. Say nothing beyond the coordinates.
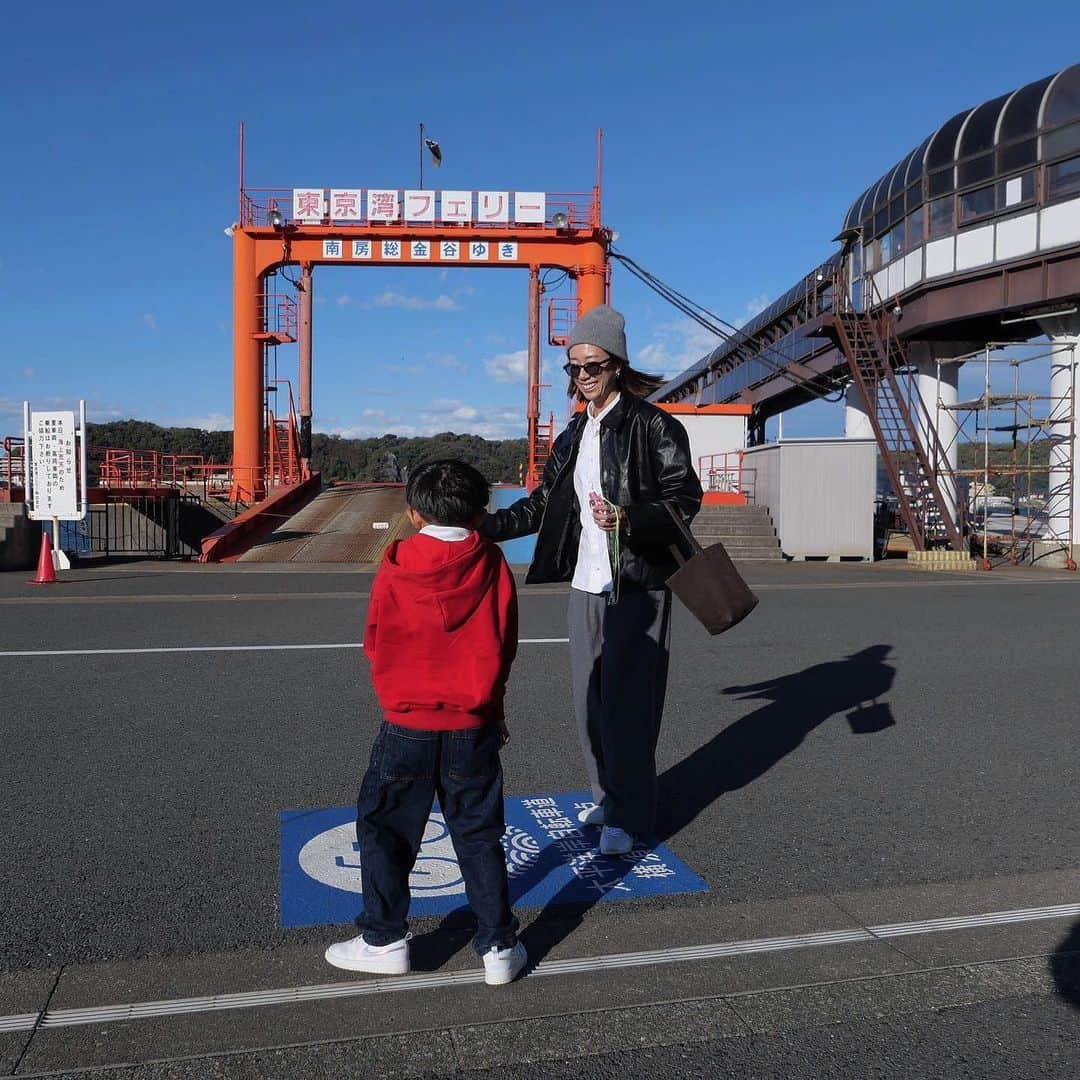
(905, 432)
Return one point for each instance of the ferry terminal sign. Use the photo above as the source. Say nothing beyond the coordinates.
(384, 206)
(421, 250)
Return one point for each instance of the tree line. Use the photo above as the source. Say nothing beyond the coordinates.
(390, 457)
(386, 458)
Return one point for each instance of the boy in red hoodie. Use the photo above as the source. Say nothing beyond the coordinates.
(441, 635)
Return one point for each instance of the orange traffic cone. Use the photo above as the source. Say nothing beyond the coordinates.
(46, 572)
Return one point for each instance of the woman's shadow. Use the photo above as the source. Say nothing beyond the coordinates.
(797, 704)
(733, 758)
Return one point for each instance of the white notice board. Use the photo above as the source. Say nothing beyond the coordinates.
(54, 465)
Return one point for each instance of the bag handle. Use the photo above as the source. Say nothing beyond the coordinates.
(687, 535)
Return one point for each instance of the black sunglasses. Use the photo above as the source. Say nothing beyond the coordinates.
(592, 369)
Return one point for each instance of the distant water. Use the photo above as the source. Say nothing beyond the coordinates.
(520, 551)
(74, 535)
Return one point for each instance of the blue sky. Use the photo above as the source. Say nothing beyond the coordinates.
(736, 136)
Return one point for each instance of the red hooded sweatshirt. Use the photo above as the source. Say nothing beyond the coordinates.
(441, 632)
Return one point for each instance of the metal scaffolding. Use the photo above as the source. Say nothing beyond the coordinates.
(1016, 456)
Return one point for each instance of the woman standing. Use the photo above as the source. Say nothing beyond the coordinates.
(603, 527)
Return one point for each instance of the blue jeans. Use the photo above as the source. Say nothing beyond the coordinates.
(408, 769)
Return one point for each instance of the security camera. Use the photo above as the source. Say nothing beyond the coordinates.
(897, 310)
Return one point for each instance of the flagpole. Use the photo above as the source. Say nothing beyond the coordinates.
(421, 157)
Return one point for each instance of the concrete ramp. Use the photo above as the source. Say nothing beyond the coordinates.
(338, 526)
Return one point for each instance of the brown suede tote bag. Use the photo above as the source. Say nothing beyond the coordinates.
(708, 583)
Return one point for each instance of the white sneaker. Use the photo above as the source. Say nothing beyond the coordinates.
(614, 841)
(593, 816)
(357, 955)
(502, 966)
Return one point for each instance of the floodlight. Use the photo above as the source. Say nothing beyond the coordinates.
(560, 220)
(274, 218)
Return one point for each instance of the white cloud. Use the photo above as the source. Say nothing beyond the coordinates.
(390, 298)
(447, 361)
(209, 422)
(11, 411)
(509, 367)
(757, 304)
(28, 372)
(451, 409)
(675, 346)
(150, 319)
(444, 414)
(344, 299)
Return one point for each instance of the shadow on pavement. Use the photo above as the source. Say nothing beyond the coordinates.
(748, 748)
(1065, 967)
(739, 755)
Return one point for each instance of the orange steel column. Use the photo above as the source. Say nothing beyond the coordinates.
(248, 433)
(532, 404)
(592, 277)
(305, 368)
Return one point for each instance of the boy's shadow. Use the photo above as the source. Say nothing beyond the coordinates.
(734, 757)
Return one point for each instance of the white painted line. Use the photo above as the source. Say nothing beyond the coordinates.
(100, 1014)
(18, 1022)
(231, 648)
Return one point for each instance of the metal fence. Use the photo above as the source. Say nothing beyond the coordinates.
(142, 525)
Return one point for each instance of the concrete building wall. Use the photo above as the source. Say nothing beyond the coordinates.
(20, 538)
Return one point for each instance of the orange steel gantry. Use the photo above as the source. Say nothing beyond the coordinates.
(267, 237)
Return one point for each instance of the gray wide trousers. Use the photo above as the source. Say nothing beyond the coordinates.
(618, 668)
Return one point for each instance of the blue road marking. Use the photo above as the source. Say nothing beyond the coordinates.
(550, 856)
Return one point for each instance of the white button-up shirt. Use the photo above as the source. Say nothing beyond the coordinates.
(592, 573)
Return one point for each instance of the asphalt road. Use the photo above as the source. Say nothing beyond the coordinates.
(872, 746)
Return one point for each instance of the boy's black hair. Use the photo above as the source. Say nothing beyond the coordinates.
(447, 492)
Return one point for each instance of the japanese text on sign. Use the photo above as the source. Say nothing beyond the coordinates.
(54, 464)
(314, 205)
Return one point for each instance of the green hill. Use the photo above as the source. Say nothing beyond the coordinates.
(387, 458)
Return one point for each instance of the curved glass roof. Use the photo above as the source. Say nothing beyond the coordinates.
(1038, 122)
(976, 146)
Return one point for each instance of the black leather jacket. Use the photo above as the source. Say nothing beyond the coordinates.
(644, 458)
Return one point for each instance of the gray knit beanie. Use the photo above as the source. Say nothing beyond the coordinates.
(603, 327)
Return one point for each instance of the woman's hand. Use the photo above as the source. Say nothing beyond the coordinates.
(607, 517)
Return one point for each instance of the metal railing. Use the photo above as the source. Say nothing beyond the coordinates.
(562, 315)
(280, 317)
(283, 464)
(149, 468)
(129, 525)
(12, 468)
(722, 472)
